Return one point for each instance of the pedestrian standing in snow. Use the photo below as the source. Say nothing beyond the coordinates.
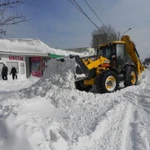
(4, 72)
(14, 73)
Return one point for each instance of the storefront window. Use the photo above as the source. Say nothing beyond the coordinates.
(1, 66)
(22, 68)
(12, 64)
(35, 66)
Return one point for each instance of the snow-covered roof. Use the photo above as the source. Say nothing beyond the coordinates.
(25, 46)
(65, 52)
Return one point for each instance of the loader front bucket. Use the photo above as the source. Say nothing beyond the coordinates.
(82, 71)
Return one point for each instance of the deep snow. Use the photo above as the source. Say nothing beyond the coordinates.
(50, 114)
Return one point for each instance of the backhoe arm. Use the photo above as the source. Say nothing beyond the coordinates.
(131, 50)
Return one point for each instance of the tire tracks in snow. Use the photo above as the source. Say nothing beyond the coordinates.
(125, 131)
(111, 131)
(139, 133)
(115, 137)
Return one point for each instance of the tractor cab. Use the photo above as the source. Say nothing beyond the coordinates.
(115, 52)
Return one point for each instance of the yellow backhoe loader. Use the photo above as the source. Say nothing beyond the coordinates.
(114, 62)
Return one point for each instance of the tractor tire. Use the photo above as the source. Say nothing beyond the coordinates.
(130, 77)
(107, 82)
(81, 87)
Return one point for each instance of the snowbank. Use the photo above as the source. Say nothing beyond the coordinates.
(57, 75)
(52, 115)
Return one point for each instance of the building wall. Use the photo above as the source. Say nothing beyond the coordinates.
(28, 71)
(16, 61)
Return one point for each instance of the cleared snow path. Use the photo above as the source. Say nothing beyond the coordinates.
(52, 115)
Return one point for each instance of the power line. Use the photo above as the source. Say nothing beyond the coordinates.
(97, 11)
(100, 5)
(96, 6)
(99, 18)
(75, 5)
(82, 11)
(94, 12)
(101, 9)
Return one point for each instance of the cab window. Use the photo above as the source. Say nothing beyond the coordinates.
(105, 52)
(121, 54)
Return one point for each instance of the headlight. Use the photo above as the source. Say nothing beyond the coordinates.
(106, 61)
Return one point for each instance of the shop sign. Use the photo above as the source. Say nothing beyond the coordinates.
(36, 59)
(15, 57)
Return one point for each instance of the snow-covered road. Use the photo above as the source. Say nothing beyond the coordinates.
(50, 114)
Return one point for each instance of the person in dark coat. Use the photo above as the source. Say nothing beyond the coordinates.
(13, 72)
(4, 72)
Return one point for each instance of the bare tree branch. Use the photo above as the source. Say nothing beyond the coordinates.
(11, 19)
(10, 3)
(104, 35)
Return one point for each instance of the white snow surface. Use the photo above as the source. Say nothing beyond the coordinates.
(50, 114)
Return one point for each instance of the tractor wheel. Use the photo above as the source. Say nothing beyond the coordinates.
(130, 77)
(81, 87)
(107, 82)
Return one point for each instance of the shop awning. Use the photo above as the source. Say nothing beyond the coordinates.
(55, 56)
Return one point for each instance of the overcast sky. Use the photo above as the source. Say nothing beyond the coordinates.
(59, 24)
